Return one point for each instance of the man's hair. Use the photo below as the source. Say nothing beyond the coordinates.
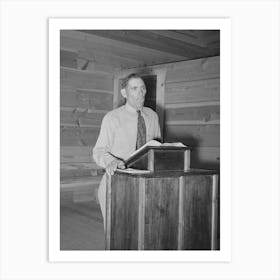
(129, 77)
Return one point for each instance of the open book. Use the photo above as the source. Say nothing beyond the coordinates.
(156, 156)
(154, 143)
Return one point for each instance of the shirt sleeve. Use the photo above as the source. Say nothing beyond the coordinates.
(102, 149)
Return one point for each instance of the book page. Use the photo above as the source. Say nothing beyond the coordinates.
(154, 143)
(134, 171)
(175, 144)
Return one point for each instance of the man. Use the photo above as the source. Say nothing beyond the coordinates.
(124, 130)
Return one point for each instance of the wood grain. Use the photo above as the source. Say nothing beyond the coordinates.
(193, 135)
(84, 118)
(161, 215)
(124, 213)
(202, 114)
(197, 213)
(76, 136)
(68, 59)
(148, 40)
(77, 41)
(180, 211)
(85, 99)
(206, 157)
(192, 70)
(86, 80)
(79, 169)
(76, 154)
(192, 91)
(214, 213)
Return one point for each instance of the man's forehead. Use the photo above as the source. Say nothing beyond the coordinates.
(135, 81)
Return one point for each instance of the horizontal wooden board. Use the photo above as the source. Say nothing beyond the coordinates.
(73, 180)
(150, 40)
(192, 70)
(86, 194)
(68, 59)
(205, 157)
(193, 135)
(74, 183)
(76, 154)
(195, 91)
(76, 136)
(92, 66)
(102, 54)
(203, 114)
(80, 169)
(77, 40)
(108, 58)
(86, 80)
(81, 118)
(87, 99)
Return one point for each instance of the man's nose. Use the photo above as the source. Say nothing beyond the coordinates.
(142, 92)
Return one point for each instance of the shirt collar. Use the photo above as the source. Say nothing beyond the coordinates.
(130, 109)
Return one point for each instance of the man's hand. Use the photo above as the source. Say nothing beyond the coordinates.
(116, 163)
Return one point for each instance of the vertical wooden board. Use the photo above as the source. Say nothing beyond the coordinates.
(193, 135)
(87, 99)
(192, 91)
(86, 80)
(191, 70)
(124, 212)
(201, 113)
(160, 96)
(215, 215)
(161, 213)
(108, 212)
(68, 59)
(76, 136)
(197, 195)
(116, 92)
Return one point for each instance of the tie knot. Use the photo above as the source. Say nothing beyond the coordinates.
(139, 112)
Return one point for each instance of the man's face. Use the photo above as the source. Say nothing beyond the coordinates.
(135, 93)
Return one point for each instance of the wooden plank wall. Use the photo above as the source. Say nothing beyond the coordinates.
(192, 109)
(85, 97)
(188, 105)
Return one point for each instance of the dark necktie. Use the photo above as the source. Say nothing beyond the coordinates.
(141, 131)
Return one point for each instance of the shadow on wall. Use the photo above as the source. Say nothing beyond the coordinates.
(212, 162)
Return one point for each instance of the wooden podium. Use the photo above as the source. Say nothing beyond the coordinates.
(162, 209)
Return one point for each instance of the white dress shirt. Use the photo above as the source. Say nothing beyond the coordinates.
(117, 137)
(119, 132)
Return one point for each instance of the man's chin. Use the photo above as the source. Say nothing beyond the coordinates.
(140, 107)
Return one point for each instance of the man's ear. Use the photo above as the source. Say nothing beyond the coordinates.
(123, 92)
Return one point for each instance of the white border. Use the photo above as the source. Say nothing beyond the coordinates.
(224, 254)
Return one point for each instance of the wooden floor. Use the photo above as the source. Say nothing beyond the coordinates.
(81, 226)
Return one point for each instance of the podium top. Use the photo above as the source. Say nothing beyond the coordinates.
(146, 149)
(150, 174)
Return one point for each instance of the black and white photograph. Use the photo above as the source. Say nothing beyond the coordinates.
(139, 139)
